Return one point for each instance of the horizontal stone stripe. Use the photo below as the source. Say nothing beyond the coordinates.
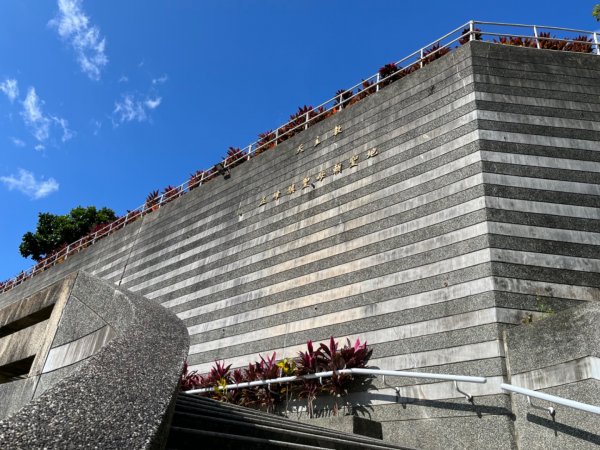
(564, 133)
(545, 260)
(543, 246)
(424, 271)
(535, 85)
(541, 161)
(542, 233)
(541, 77)
(546, 289)
(537, 111)
(547, 103)
(559, 374)
(583, 212)
(546, 273)
(545, 121)
(332, 251)
(541, 184)
(440, 216)
(401, 186)
(422, 328)
(380, 214)
(470, 352)
(537, 139)
(526, 62)
(221, 211)
(528, 91)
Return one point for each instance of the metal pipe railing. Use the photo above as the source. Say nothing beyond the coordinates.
(328, 374)
(549, 398)
(417, 58)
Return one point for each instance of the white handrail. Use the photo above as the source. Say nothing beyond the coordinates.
(550, 398)
(328, 374)
(329, 105)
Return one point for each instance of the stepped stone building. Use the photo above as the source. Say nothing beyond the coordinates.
(451, 220)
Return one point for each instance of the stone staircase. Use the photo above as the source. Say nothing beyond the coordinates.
(202, 422)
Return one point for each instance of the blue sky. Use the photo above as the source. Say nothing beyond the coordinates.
(103, 101)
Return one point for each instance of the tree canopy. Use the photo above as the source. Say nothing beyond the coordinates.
(54, 231)
(596, 12)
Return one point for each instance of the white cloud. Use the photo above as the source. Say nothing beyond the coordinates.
(67, 134)
(135, 108)
(130, 109)
(96, 124)
(160, 80)
(10, 88)
(40, 123)
(123, 79)
(17, 142)
(27, 184)
(39, 147)
(153, 103)
(33, 116)
(74, 27)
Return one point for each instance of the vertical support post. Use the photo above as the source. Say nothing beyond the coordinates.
(421, 60)
(377, 85)
(276, 135)
(471, 30)
(596, 43)
(535, 33)
(306, 121)
(249, 152)
(67, 251)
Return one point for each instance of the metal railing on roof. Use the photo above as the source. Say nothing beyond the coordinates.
(472, 30)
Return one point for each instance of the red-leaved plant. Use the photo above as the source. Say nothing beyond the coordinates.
(466, 36)
(327, 357)
(234, 157)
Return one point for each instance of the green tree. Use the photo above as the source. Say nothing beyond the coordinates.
(54, 231)
(596, 12)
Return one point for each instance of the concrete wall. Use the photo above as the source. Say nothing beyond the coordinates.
(480, 207)
(550, 355)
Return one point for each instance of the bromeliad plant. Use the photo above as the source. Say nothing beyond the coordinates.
(327, 357)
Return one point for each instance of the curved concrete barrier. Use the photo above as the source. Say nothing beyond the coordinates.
(119, 398)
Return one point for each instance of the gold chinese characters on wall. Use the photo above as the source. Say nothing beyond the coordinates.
(335, 170)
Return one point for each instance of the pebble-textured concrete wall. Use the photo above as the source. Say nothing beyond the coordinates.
(481, 204)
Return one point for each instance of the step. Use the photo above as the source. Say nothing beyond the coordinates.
(185, 438)
(244, 427)
(276, 421)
